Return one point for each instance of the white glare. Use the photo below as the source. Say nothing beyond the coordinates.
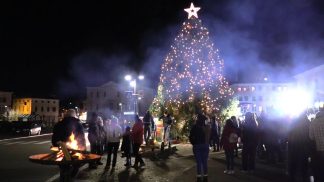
(128, 77)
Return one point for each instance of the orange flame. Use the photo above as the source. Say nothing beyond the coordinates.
(79, 156)
(72, 143)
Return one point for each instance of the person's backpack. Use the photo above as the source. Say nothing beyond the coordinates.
(233, 138)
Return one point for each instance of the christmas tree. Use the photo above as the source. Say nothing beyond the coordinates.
(192, 74)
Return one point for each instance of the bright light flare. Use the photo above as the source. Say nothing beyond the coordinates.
(133, 83)
(128, 77)
(293, 102)
(141, 77)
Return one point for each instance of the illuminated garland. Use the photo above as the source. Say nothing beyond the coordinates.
(193, 70)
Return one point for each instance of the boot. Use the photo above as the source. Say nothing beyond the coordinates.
(205, 178)
(199, 178)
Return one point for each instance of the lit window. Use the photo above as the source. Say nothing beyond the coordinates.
(252, 89)
(239, 89)
(279, 88)
(244, 89)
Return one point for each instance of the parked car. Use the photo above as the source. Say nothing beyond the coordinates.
(27, 127)
(5, 126)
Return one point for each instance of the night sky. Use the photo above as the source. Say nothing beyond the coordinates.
(56, 49)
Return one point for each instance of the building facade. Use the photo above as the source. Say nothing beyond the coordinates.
(305, 91)
(313, 80)
(117, 99)
(46, 110)
(258, 97)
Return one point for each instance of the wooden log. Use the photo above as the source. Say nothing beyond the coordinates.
(65, 151)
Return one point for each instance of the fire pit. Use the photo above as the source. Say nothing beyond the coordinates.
(67, 156)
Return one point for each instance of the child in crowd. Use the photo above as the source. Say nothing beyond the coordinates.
(127, 146)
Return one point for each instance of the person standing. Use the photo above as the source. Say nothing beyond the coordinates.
(229, 141)
(102, 138)
(299, 148)
(127, 146)
(93, 137)
(137, 136)
(214, 135)
(250, 138)
(167, 121)
(148, 122)
(199, 138)
(61, 133)
(238, 131)
(113, 134)
(316, 134)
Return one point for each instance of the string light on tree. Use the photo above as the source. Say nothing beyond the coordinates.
(193, 70)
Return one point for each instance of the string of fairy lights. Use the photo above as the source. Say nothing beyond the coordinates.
(193, 69)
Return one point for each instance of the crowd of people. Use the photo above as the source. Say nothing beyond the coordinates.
(105, 136)
(297, 142)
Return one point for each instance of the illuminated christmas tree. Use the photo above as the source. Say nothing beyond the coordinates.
(192, 74)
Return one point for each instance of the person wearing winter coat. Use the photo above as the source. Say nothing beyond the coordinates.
(215, 134)
(127, 146)
(228, 142)
(199, 138)
(316, 134)
(148, 122)
(299, 146)
(113, 136)
(137, 136)
(62, 132)
(94, 138)
(102, 136)
(250, 139)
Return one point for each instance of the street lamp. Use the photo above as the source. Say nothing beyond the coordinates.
(133, 83)
(77, 112)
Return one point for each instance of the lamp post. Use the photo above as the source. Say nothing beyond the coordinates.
(121, 109)
(77, 112)
(133, 83)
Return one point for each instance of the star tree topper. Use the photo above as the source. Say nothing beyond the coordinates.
(192, 11)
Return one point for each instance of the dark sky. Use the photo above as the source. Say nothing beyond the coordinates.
(58, 48)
